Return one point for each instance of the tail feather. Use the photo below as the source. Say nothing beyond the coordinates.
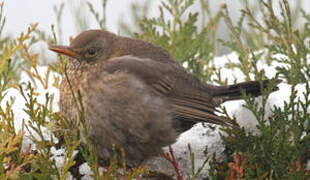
(252, 88)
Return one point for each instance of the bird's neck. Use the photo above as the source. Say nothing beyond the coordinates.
(76, 70)
(139, 48)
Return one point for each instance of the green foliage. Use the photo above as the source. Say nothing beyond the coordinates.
(284, 38)
(195, 171)
(191, 45)
(279, 151)
(100, 19)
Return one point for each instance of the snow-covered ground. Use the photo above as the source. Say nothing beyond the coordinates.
(199, 137)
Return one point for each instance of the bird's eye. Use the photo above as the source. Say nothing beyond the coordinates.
(91, 51)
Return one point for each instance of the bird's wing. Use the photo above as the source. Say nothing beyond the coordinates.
(187, 101)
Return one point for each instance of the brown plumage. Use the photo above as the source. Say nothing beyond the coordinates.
(136, 96)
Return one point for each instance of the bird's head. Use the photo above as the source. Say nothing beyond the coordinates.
(89, 46)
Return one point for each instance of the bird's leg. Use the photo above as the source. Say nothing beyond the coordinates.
(171, 158)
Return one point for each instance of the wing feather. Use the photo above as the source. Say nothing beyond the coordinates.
(190, 104)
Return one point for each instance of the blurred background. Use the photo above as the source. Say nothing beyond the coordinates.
(70, 17)
(76, 16)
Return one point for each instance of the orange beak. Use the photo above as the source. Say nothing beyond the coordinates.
(65, 50)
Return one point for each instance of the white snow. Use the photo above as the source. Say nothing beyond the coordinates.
(19, 102)
(199, 137)
(85, 170)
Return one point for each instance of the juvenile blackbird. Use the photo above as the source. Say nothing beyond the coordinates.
(136, 96)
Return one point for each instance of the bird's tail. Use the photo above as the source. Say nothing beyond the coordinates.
(252, 88)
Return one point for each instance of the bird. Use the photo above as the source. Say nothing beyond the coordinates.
(136, 96)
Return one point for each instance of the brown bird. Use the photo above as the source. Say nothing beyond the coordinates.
(136, 96)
